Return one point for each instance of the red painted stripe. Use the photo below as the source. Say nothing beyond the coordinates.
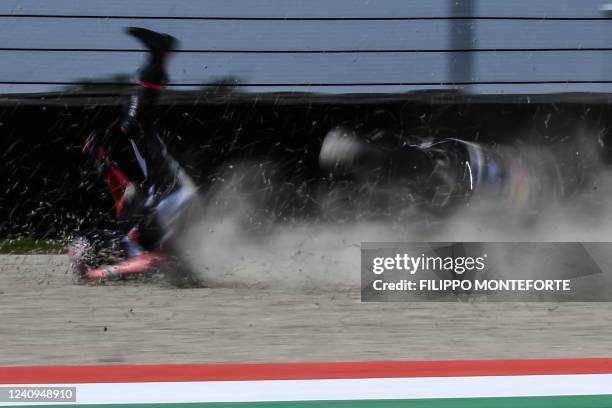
(300, 371)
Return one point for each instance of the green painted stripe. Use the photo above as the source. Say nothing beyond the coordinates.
(588, 401)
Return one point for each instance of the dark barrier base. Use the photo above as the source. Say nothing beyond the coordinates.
(48, 188)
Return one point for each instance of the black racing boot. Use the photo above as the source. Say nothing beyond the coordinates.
(159, 46)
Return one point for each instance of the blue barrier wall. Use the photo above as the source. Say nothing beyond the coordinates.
(482, 46)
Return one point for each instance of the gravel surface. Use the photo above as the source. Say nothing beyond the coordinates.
(46, 320)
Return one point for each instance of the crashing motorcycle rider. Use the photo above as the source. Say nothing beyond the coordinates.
(155, 208)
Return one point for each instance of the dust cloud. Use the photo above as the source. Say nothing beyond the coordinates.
(324, 253)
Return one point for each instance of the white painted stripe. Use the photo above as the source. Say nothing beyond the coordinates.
(343, 389)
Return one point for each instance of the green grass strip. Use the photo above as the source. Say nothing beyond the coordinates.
(29, 246)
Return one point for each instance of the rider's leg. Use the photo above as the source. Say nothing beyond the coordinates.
(116, 180)
(117, 184)
(139, 122)
(170, 189)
